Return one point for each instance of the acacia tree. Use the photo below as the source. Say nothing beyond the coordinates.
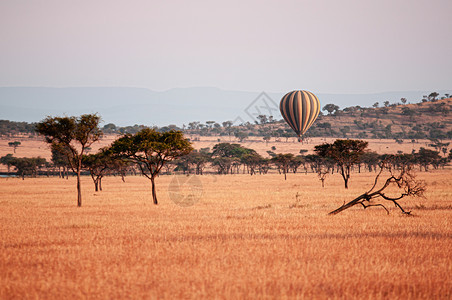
(252, 160)
(7, 160)
(151, 150)
(330, 108)
(59, 161)
(344, 153)
(283, 162)
(199, 160)
(14, 144)
(71, 136)
(98, 164)
(27, 165)
(226, 156)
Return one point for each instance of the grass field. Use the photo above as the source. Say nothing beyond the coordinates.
(244, 237)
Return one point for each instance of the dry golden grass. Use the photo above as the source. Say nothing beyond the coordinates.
(240, 240)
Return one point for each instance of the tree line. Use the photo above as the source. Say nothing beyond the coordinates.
(367, 123)
(150, 153)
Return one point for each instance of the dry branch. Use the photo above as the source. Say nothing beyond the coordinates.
(405, 181)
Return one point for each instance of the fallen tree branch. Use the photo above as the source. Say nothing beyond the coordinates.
(405, 181)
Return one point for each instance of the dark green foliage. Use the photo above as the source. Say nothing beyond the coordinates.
(283, 162)
(330, 108)
(8, 128)
(241, 135)
(253, 161)
(14, 144)
(427, 157)
(27, 166)
(344, 153)
(98, 165)
(408, 112)
(226, 155)
(151, 150)
(230, 150)
(371, 160)
(7, 160)
(71, 136)
(197, 160)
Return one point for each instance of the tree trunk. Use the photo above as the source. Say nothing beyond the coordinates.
(79, 190)
(100, 183)
(344, 176)
(154, 193)
(96, 185)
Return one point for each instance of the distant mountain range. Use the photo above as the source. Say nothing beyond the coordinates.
(125, 106)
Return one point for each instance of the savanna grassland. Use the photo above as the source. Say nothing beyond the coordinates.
(244, 237)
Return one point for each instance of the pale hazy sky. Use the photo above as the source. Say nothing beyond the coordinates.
(333, 46)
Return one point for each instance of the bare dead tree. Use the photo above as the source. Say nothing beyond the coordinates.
(404, 179)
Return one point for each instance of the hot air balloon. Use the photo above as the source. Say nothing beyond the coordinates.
(299, 109)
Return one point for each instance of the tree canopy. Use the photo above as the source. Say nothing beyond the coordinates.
(71, 136)
(344, 153)
(151, 150)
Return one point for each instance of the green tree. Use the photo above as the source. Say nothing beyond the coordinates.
(109, 128)
(197, 159)
(14, 144)
(71, 136)
(230, 150)
(241, 135)
(27, 165)
(283, 162)
(432, 96)
(252, 161)
(262, 119)
(371, 160)
(345, 130)
(223, 164)
(7, 160)
(98, 165)
(344, 153)
(426, 157)
(151, 150)
(60, 160)
(330, 108)
(406, 111)
(296, 162)
(326, 126)
(226, 155)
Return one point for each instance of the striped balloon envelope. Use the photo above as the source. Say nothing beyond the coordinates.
(300, 109)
